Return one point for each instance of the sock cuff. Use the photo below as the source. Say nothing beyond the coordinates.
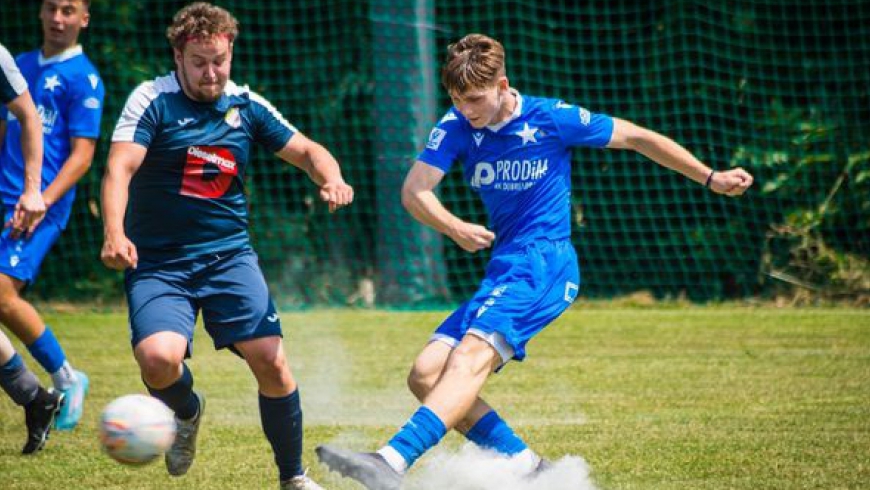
(484, 426)
(47, 351)
(12, 365)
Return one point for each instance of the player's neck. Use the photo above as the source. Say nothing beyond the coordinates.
(508, 106)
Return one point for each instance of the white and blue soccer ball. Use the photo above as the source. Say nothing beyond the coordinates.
(136, 429)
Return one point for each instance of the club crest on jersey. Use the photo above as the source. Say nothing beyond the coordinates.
(233, 118)
(585, 116)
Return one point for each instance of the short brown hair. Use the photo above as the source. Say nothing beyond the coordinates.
(474, 62)
(201, 20)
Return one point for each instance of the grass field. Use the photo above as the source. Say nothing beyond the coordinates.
(652, 398)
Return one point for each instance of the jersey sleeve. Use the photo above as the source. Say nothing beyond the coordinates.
(138, 120)
(270, 128)
(580, 127)
(446, 143)
(12, 83)
(86, 106)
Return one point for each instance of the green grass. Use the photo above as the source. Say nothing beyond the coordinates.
(652, 398)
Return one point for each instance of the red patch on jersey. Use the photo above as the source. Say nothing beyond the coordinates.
(208, 172)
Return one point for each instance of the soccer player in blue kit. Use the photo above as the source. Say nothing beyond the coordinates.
(68, 94)
(175, 218)
(40, 405)
(516, 154)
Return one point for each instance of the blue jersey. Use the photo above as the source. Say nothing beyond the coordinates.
(521, 167)
(187, 198)
(68, 95)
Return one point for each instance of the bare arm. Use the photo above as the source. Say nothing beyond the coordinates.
(74, 168)
(31, 207)
(668, 153)
(124, 161)
(321, 167)
(419, 199)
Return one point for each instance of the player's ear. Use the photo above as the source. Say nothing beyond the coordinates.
(503, 83)
(178, 55)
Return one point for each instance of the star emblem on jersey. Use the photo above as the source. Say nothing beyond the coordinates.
(51, 83)
(527, 134)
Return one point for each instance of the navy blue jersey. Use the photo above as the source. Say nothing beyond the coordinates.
(12, 83)
(520, 167)
(68, 95)
(187, 199)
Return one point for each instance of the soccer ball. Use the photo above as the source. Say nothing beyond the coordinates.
(136, 429)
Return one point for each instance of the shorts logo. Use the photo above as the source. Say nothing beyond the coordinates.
(435, 138)
(272, 318)
(571, 291)
(14, 260)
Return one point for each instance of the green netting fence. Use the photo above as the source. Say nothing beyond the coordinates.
(781, 88)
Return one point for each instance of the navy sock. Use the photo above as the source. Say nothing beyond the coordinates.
(179, 395)
(282, 424)
(47, 351)
(492, 432)
(18, 382)
(422, 432)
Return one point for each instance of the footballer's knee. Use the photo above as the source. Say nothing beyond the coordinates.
(421, 382)
(159, 368)
(272, 372)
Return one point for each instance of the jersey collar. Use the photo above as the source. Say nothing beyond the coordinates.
(518, 110)
(62, 56)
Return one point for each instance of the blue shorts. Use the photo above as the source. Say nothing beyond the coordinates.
(22, 258)
(523, 291)
(229, 289)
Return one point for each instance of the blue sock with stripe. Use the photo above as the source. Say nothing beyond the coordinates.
(422, 432)
(492, 432)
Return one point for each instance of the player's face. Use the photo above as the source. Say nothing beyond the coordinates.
(486, 106)
(62, 21)
(204, 67)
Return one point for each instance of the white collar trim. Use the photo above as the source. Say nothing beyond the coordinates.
(62, 56)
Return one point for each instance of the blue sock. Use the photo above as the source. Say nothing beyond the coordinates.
(492, 432)
(47, 351)
(179, 395)
(282, 424)
(422, 432)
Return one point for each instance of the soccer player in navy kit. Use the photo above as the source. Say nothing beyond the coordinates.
(176, 219)
(68, 94)
(40, 405)
(515, 152)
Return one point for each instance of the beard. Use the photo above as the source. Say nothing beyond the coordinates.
(210, 93)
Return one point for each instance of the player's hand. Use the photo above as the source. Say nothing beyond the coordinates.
(119, 253)
(732, 182)
(472, 237)
(28, 213)
(336, 194)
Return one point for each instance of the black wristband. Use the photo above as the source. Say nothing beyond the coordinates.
(709, 179)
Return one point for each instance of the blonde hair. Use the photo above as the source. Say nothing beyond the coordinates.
(201, 20)
(474, 62)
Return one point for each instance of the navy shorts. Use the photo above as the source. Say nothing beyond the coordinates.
(22, 258)
(228, 288)
(524, 290)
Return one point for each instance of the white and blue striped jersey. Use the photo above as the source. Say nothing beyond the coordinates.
(68, 95)
(12, 83)
(187, 199)
(521, 167)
